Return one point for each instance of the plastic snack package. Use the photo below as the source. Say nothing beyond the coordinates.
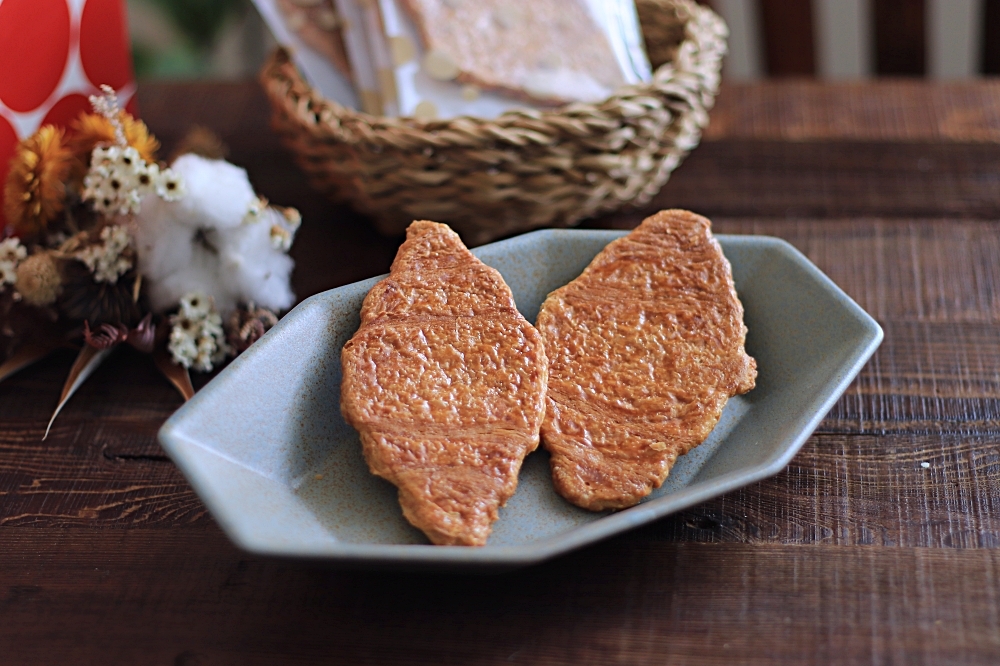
(360, 54)
(626, 37)
(311, 29)
(484, 57)
(430, 92)
(369, 18)
(445, 58)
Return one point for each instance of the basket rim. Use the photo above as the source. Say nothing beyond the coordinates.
(683, 80)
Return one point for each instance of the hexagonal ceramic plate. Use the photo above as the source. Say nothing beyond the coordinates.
(265, 446)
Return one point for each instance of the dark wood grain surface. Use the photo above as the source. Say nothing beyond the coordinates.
(857, 553)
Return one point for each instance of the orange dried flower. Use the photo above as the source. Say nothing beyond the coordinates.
(35, 190)
(92, 129)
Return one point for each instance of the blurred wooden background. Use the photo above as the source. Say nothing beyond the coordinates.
(826, 39)
(859, 39)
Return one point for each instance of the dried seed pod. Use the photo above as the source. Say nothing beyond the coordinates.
(246, 325)
(98, 302)
(39, 280)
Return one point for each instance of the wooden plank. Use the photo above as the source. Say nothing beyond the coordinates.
(238, 111)
(884, 110)
(138, 596)
(861, 490)
(935, 289)
(933, 271)
(788, 37)
(832, 179)
(925, 378)
(796, 109)
(900, 37)
(991, 37)
(101, 464)
(843, 489)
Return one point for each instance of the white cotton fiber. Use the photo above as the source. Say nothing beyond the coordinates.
(254, 267)
(215, 240)
(157, 240)
(219, 194)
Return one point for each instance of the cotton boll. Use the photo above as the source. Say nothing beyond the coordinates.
(252, 269)
(176, 259)
(200, 274)
(153, 226)
(161, 240)
(164, 246)
(218, 194)
(206, 243)
(266, 283)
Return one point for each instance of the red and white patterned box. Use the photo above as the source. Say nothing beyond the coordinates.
(54, 54)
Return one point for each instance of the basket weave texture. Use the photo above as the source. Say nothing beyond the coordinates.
(524, 169)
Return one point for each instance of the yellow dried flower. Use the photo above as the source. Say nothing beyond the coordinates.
(36, 184)
(38, 279)
(92, 129)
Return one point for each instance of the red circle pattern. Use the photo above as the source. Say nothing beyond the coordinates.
(36, 37)
(103, 40)
(34, 44)
(66, 110)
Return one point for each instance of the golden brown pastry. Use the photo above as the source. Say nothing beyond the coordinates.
(445, 381)
(645, 348)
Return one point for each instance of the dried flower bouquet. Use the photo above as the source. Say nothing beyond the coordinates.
(104, 245)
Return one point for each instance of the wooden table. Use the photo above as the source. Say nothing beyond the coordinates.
(858, 552)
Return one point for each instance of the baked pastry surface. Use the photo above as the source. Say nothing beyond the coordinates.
(445, 381)
(645, 348)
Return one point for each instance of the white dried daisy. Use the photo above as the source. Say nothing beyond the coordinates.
(169, 185)
(147, 175)
(11, 254)
(183, 343)
(107, 260)
(195, 306)
(118, 179)
(196, 336)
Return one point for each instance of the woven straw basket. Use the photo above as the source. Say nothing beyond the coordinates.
(525, 169)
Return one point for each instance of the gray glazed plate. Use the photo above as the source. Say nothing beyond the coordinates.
(265, 447)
